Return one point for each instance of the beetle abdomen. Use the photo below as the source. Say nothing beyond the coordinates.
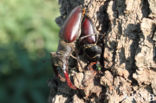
(88, 29)
(72, 26)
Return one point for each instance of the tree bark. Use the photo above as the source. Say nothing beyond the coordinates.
(128, 73)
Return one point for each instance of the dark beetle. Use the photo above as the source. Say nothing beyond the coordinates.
(69, 33)
(88, 40)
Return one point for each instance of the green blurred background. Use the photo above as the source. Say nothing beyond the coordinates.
(28, 33)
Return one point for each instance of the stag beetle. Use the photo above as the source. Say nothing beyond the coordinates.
(69, 35)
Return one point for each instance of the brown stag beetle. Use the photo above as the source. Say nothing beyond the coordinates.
(88, 40)
(69, 36)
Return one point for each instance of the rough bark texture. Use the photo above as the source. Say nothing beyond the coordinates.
(128, 74)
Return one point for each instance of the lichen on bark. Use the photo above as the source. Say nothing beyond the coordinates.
(128, 58)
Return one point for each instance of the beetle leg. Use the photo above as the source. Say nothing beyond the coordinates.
(77, 58)
(73, 56)
(65, 70)
(83, 37)
(68, 80)
(90, 66)
(98, 67)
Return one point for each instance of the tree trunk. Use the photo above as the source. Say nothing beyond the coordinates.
(128, 73)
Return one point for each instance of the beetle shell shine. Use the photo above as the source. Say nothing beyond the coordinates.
(88, 29)
(72, 27)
